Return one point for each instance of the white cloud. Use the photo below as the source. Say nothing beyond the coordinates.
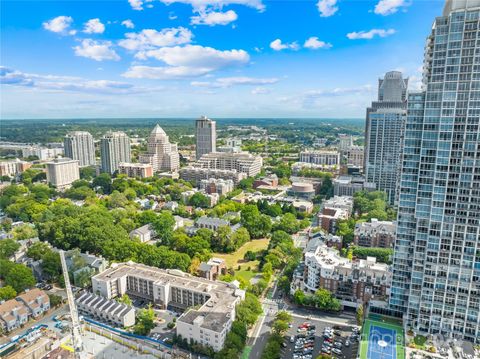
(96, 50)
(13, 77)
(260, 91)
(388, 7)
(218, 4)
(149, 38)
(136, 4)
(224, 82)
(212, 18)
(172, 16)
(202, 4)
(314, 43)
(327, 8)
(368, 35)
(128, 24)
(187, 61)
(59, 24)
(277, 45)
(94, 26)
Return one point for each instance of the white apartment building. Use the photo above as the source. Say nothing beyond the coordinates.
(114, 149)
(79, 145)
(243, 162)
(214, 185)
(353, 282)
(349, 185)
(43, 153)
(13, 168)
(197, 174)
(320, 157)
(206, 136)
(62, 172)
(214, 301)
(161, 154)
(142, 170)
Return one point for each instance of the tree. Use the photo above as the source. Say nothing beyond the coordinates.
(284, 315)
(8, 247)
(51, 265)
(7, 292)
(248, 310)
(199, 200)
(299, 297)
(55, 300)
(104, 181)
(145, 321)
(163, 226)
(37, 250)
(250, 256)
(280, 327)
(359, 314)
(87, 173)
(25, 231)
(19, 277)
(125, 299)
(258, 225)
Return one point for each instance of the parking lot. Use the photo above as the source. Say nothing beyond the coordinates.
(307, 343)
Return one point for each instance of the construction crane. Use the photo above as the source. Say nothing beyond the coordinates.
(77, 342)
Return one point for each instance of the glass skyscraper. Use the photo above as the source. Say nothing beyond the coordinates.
(436, 265)
(383, 133)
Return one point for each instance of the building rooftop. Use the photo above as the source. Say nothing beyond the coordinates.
(223, 296)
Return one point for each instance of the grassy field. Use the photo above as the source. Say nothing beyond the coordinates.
(236, 258)
(400, 345)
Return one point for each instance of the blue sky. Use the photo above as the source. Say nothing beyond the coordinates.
(222, 58)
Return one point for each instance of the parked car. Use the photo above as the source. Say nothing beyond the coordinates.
(292, 339)
(336, 351)
(347, 343)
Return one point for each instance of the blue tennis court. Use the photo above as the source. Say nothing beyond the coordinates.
(381, 343)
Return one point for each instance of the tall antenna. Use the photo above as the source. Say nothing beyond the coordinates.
(78, 349)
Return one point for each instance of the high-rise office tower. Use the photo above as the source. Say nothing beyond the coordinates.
(161, 154)
(436, 264)
(78, 145)
(114, 149)
(383, 134)
(206, 133)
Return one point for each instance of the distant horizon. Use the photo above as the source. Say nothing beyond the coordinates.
(234, 58)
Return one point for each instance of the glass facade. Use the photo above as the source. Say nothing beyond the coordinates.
(436, 266)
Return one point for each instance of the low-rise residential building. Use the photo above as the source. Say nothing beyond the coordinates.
(13, 168)
(375, 233)
(333, 210)
(144, 233)
(13, 314)
(211, 223)
(349, 185)
(214, 185)
(83, 266)
(196, 174)
(36, 300)
(320, 157)
(62, 172)
(106, 310)
(171, 206)
(142, 170)
(209, 306)
(354, 282)
(329, 239)
(16, 312)
(212, 269)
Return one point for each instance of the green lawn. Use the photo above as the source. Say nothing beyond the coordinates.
(400, 349)
(235, 259)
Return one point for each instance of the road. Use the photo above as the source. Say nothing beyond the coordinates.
(262, 329)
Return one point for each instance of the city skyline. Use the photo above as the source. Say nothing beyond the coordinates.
(310, 60)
